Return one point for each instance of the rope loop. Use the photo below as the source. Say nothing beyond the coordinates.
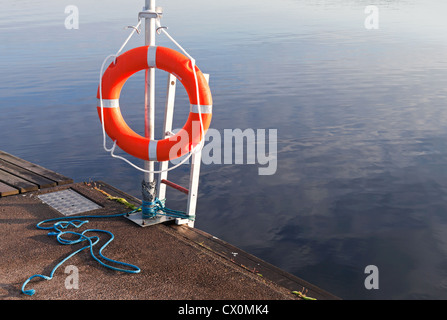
(159, 29)
(59, 230)
(60, 227)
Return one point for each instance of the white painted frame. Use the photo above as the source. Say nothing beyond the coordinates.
(195, 160)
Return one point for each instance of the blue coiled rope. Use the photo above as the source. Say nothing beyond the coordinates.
(76, 222)
(156, 207)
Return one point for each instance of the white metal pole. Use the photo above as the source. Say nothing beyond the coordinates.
(149, 184)
(194, 176)
(149, 95)
(167, 127)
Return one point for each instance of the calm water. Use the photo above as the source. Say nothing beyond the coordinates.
(361, 117)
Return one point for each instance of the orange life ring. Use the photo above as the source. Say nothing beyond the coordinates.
(169, 60)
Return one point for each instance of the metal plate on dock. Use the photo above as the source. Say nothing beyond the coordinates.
(137, 217)
(68, 202)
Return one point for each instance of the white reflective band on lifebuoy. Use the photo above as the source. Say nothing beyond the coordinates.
(203, 108)
(109, 103)
(151, 57)
(152, 152)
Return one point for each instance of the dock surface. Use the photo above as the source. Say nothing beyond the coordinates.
(21, 176)
(176, 262)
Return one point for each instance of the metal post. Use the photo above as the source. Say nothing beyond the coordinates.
(149, 183)
(194, 176)
(149, 95)
(167, 128)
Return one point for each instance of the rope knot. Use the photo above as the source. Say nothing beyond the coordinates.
(157, 207)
